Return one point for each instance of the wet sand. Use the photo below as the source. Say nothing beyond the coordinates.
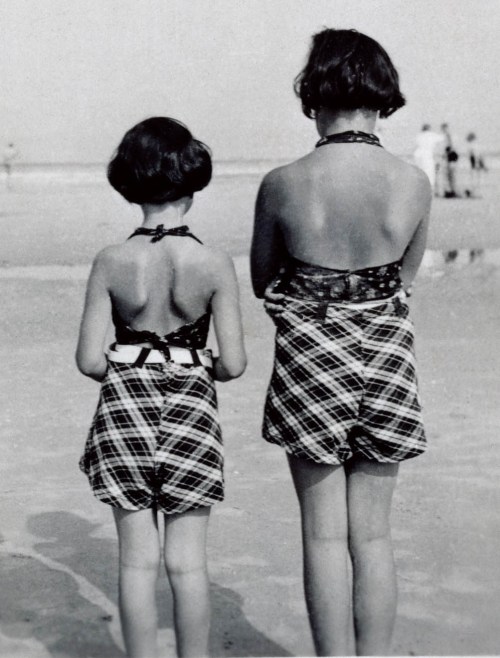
(57, 544)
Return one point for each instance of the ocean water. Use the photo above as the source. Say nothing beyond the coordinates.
(33, 174)
(62, 214)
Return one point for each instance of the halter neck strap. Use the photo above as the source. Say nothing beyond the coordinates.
(349, 136)
(160, 232)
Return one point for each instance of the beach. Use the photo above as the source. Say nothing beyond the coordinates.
(57, 543)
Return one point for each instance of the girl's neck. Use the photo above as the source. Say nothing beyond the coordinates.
(169, 214)
(328, 122)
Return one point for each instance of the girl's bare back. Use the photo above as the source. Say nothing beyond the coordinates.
(161, 286)
(348, 206)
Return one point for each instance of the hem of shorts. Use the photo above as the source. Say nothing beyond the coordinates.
(389, 460)
(335, 461)
(139, 508)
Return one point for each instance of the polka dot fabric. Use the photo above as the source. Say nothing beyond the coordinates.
(305, 281)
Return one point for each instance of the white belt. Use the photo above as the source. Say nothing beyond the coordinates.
(372, 303)
(131, 353)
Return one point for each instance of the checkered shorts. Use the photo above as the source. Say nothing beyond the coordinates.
(155, 440)
(343, 385)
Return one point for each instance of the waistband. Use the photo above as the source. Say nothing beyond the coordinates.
(314, 283)
(278, 303)
(400, 296)
(141, 355)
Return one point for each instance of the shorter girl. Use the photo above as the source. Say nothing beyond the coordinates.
(155, 441)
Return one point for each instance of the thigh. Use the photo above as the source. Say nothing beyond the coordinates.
(186, 539)
(321, 490)
(370, 486)
(138, 537)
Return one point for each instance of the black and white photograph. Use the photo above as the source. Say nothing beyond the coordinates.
(250, 293)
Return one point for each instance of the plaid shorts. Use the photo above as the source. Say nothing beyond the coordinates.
(343, 384)
(155, 440)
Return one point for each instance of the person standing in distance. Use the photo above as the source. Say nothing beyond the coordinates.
(9, 155)
(424, 155)
(449, 166)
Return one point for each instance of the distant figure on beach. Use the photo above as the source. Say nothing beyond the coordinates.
(477, 168)
(154, 449)
(477, 165)
(338, 238)
(427, 142)
(9, 155)
(449, 158)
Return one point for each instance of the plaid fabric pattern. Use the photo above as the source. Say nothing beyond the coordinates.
(344, 385)
(155, 440)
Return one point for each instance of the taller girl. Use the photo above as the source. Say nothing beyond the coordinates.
(339, 235)
(155, 442)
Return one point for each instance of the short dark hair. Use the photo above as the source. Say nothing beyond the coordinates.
(157, 161)
(347, 70)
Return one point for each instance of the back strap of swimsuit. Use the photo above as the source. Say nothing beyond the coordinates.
(350, 136)
(160, 232)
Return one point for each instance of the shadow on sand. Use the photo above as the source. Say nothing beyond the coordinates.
(65, 599)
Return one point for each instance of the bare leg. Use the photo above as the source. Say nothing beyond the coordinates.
(139, 562)
(186, 565)
(370, 486)
(322, 497)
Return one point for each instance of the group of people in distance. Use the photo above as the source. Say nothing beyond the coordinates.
(436, 154)
(338, 238)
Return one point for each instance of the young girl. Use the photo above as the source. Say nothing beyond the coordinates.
(155, 442)
(339, 235)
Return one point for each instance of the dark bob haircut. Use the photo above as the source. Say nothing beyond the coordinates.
(158, 161)
(347, 70)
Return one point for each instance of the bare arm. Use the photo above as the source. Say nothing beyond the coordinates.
(90, 352)
(416, 248)
(231, 362)
(268, 251)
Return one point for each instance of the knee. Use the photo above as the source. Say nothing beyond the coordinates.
(145, 559)
(324, 533)
(368, 535)
(184, 564)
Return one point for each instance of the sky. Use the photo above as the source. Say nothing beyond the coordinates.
(76, 75)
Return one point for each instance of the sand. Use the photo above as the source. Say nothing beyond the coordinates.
(57, 545)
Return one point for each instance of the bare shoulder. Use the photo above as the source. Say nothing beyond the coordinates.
(277, 182)
(105, 258)
(111, 254)
(216, 269)
(287, 173)
(411, 172)
(274, 176)
(217, 262)
(414, 179)
(273, 181)
(110, 261)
